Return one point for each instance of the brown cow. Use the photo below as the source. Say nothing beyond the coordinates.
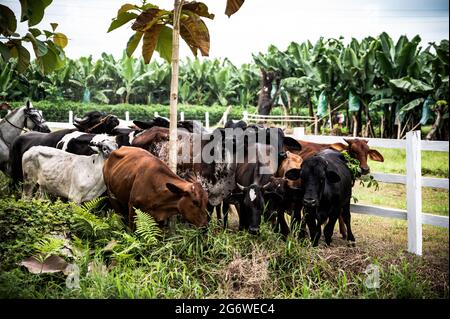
(136, 179)
(357, 148)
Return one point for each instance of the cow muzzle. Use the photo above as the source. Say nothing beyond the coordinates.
(310, 202)
(253, 230)
(365, 170)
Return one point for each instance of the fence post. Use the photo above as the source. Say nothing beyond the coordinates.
(156, 114)
(207, 120)
(127, 116)
(245, 116)
(70, 117)
(414, 191)
(181, 116)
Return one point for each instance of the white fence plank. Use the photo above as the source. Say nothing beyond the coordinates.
(431, 182)
(414, 191)
(427, 219)
(437, 146)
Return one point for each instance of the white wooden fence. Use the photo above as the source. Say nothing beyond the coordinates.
(413, 180)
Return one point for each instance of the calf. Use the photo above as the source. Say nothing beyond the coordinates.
(76, 177)
(136, 179)
(327, 185)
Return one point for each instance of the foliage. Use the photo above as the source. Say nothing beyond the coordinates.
(353, 165)
(48, 45)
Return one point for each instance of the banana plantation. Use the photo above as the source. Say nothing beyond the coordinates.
(382, 87)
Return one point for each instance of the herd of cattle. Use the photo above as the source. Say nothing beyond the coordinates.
(309, 181)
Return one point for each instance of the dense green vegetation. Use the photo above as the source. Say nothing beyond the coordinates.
(383, 88)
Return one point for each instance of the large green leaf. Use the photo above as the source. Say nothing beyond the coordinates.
(22, 55)
(411, 85)
(39, 47)
(133, 42)
(60, 39)
(33, 10)
(164, 45)
(121, 19)
(4, 51)
(411, 105)
(8, 22)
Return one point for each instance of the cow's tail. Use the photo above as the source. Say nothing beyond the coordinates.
(15, 157)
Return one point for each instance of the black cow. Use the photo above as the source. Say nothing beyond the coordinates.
(159, 121)
(96, 122)
(327, 184)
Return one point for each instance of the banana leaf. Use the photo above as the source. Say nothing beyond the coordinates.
(353, 103)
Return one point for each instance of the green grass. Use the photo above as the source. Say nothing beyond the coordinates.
(433, 163)
(186, 263)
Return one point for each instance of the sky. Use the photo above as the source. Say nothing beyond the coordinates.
(258, 24)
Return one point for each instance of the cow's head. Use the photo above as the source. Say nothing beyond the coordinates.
(34, 120)
(290, 166)
(314, 174)
(96, 122)
(105, 148)
(193, 202)
(359, 149)
(252, 198)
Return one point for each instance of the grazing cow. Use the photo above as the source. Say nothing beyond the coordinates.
(78, 178)
(24, 142)
(357, 148)
(327, 186)
(253, 184)
(235, 124)
(96, 122)
(137, 179)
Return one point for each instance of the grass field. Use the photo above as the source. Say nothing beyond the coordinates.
(185, 263)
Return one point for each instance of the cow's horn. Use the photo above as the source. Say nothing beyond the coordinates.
(266, 185)
(240, 186)
(78, 120)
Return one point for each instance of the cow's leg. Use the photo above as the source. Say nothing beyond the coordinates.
(210, 209)
(283, 226)
(131, 214)
(328, 230)
(342, 228)
(225, 208)
(347, 220)
(314, 229)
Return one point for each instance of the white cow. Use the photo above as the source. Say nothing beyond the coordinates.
(76, 177)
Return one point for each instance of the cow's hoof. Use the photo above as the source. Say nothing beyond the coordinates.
(344, 236)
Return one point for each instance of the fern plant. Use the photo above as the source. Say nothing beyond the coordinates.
(147, 228)
(47, 246)
(86, 223)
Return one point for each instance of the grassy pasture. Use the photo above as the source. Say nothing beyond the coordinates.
(184, 263)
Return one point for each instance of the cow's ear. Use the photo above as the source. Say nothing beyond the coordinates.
(175, 189)
(293, 174)
(376, 156)
(338, 147)
(332, 177)
(291, 144)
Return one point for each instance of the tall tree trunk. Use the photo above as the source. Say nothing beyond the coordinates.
(174, 86)
(437, 123)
